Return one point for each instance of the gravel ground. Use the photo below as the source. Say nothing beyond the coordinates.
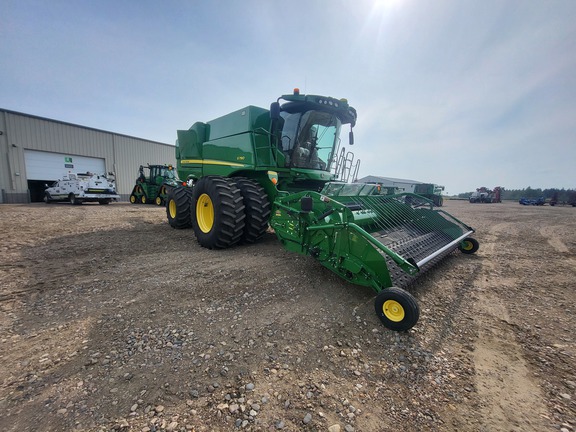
(111, 320)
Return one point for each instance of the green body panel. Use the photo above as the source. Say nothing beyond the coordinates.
(243, 120)
(249, 143)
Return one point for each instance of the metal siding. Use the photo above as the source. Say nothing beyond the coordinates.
(122, 154)
(130, 153)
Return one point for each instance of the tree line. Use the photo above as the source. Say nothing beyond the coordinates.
(561, 195)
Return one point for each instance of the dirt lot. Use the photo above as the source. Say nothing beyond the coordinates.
(111, 320)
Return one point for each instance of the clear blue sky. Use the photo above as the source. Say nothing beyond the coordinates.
(462, 93)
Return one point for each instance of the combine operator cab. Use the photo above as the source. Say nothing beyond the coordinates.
(307, 133)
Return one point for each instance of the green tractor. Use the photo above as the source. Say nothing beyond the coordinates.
(285, 168)
(153, 184)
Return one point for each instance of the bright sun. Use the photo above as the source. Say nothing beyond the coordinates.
(387, 4)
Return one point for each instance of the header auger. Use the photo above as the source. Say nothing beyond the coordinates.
(284, 167)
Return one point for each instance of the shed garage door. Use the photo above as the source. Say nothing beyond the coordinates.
(52, 166)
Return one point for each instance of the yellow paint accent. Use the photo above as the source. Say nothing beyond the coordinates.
(172, 208)
(210, 162)
(393, 310)
(205, 213)
(467, 245)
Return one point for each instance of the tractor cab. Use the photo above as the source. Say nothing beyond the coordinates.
(160, 173)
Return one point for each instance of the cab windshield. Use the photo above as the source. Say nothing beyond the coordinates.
(308, 139)
(167, 173)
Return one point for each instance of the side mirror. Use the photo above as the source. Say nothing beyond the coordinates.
(46, 186)
(351, 138)
(274, 110)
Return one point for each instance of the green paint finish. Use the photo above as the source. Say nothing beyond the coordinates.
(359, 236)
(298, 142)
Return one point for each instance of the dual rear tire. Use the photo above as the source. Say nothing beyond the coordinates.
(222, 211)
(218, 212)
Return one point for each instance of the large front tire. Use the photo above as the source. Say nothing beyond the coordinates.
(397, 309)
(179, 208)
(257, 209)
(218, 208)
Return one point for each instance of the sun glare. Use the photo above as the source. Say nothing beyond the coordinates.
(386, 4)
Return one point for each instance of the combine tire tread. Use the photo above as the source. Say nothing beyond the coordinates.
(227, 226)
(257, 209)
(179, 208)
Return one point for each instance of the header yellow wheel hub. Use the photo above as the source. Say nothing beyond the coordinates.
(393, 310)
(205, 213)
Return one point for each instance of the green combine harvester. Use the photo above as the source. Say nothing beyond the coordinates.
(285, 168)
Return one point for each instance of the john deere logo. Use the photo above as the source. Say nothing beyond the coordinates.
(67, 159)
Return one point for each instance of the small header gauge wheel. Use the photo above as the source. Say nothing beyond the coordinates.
(397, 309)
(469, 245)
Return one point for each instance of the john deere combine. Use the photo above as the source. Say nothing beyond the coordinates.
(284, 167)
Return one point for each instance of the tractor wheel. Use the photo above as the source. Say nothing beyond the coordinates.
(133, 199)
(143, 199)
(257, 209)
(47, 198)
(218, 208)
(397, 309)
(178, 209)
(469, 245)
(158, 201)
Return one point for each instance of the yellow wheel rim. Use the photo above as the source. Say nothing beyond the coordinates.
(143, 200)
(158, 200)
(467, 245)
(205, 213)
(393, 310)
(132, 199)
(172, 208)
